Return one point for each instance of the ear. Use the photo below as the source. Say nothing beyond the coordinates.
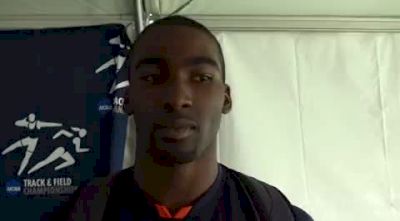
(227, 101)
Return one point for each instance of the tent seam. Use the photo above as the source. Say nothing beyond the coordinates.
(383, 124)
(300, 118)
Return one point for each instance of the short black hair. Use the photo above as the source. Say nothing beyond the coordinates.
(184, 21)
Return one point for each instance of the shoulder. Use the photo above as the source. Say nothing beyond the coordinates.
(254, 185)
(95, 194)
(104, 184)
(269, 198)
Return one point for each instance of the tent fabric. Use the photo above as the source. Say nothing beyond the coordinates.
(70, 7)
(317, 114)
(24, 14)
(283, 7)
(221, 15)
(202, 7)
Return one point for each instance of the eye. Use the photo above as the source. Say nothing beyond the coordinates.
(203, 77)
(150, 78)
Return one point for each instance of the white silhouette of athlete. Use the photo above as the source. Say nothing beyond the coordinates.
(60, 152)
(31, 123)
(30, 143)
(56, 154)
(117, 61)
(76, 140)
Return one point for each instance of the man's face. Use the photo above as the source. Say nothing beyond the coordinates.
(177, 93)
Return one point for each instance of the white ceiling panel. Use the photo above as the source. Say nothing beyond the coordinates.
(63, 13)
(282, 7)
(66, 7)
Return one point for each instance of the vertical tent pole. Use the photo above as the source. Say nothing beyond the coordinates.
(139, 16)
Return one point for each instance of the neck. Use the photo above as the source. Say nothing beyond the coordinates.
(180, 184)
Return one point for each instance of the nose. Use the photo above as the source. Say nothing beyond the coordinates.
(178, 96)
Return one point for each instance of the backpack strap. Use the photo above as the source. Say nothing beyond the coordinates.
(270, 203)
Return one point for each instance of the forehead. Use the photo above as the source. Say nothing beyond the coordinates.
(175, 42)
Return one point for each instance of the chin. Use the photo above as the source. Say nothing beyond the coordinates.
(174, 154)
(182, 157)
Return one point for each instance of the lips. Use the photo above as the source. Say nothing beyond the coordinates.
(176, 129)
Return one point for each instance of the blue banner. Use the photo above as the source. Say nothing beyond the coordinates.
(61, 119)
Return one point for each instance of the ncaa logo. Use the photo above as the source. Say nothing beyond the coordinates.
(119, 105)
(13, 187)
(104, 106)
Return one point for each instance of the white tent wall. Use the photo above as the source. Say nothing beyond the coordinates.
(317, 114)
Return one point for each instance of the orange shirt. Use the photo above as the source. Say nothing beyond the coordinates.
(164, 212)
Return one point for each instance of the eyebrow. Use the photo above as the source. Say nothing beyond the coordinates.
(148, 61)
(200, 60)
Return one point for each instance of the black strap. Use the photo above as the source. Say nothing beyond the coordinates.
(265, 198)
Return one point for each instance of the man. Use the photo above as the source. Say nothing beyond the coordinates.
(177, 95)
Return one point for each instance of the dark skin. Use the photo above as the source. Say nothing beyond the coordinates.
(177, 96)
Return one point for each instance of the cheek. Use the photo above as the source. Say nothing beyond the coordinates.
(210, 126)
(143, 102)
(212, 99)
(210, 106)
(142, 108)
